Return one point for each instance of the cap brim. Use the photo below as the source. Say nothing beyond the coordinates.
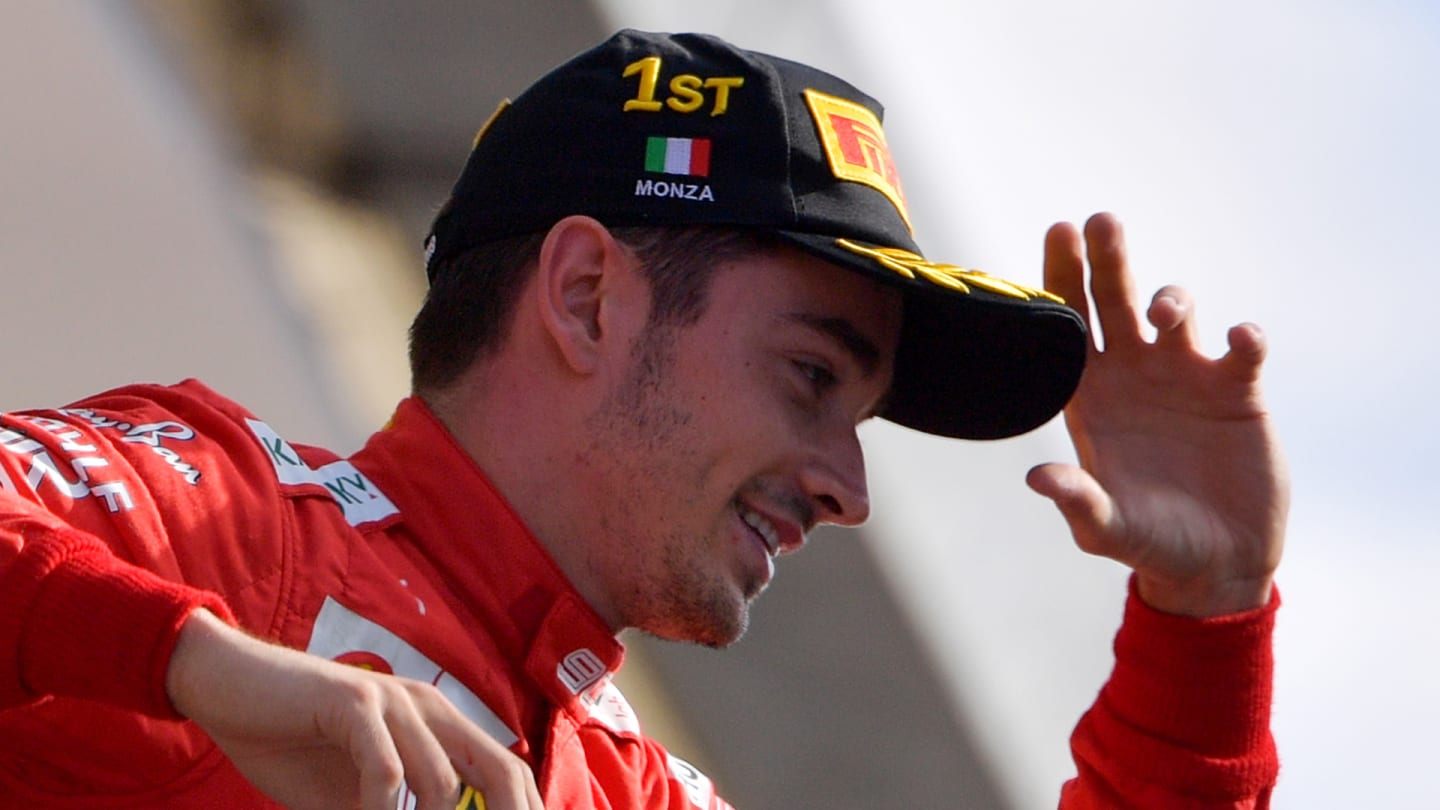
(973, 363)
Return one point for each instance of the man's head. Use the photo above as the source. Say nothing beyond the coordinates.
(668, 423)
(670, 399)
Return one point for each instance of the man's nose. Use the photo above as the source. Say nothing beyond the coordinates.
(834, 479)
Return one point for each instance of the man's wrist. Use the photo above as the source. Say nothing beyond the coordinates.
(1203, 599)
(197, 639)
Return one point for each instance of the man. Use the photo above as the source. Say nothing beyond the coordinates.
(670, 282)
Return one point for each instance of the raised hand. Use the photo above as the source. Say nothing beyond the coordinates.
(1180, 475)
(311, 733)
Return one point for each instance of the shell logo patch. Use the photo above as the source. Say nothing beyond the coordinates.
(855, 146)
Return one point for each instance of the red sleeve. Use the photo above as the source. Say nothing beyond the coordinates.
(1184, 721)
(108, 515)
(77, 621)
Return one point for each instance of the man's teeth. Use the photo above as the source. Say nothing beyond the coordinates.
(763, 528)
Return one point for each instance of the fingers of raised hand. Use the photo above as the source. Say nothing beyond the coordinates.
(1085, 505)
(1172, 313)
(1248, 348)
(1112, 293)
(1065, 267)
(1112, 287)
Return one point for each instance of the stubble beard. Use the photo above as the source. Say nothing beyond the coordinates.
(673, 595)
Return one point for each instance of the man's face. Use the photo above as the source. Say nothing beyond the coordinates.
(731, 437)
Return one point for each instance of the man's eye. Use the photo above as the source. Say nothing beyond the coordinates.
(819, 377)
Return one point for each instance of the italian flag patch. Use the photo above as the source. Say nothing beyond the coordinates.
(678, 156)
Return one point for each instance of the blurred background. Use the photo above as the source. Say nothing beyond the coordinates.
(237, 191)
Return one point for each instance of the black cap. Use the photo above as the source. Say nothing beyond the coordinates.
(686, 129)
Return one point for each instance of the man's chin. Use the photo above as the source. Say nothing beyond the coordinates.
(711, 630)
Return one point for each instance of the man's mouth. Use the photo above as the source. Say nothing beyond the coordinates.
(764, 528)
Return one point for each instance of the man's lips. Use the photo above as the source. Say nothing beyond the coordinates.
(762, 527)
(779, 535)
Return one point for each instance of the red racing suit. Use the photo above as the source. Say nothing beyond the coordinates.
(124, 512)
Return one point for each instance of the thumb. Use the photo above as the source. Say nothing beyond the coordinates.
(1086, 506)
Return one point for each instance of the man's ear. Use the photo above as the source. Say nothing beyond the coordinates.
(581, 270)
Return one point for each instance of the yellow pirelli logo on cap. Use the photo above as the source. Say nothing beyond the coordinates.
(855, 146)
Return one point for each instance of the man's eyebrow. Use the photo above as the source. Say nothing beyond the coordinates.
(862, 348)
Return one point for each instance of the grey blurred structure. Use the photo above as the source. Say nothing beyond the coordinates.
(238, 192)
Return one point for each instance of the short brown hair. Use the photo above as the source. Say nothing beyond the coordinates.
(471, 301)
